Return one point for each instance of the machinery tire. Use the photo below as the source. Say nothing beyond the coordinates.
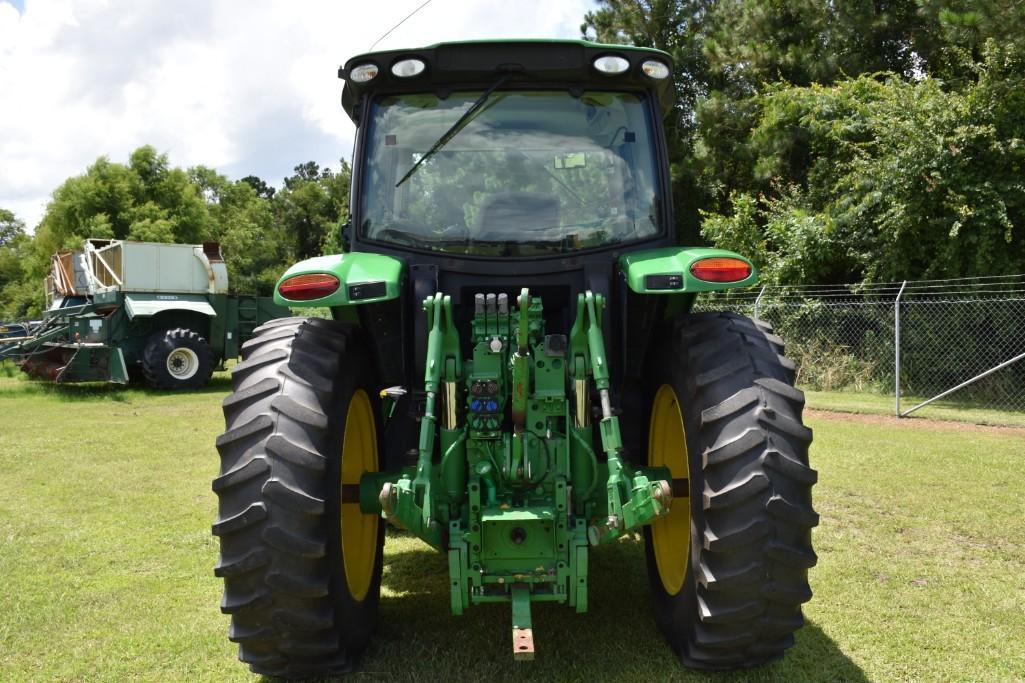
(177, 359)
(302, 594)
(733, 576)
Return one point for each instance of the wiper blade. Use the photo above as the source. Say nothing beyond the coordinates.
(456, 127)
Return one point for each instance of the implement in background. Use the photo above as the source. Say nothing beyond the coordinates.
(115, 307)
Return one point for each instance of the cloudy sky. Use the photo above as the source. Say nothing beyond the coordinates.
(245, 86)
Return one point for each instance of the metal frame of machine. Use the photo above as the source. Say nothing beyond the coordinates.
(495, 408)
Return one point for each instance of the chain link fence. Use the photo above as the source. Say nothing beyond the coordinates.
(962, 341)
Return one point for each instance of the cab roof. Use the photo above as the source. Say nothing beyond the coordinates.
(532, 63)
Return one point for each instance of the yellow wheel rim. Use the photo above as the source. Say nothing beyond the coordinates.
(667, 447)
(358, 531)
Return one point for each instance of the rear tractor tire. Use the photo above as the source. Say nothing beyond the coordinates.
(177, 359)
(301, 564)
(729, 568)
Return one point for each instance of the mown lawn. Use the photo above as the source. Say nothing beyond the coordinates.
(106, 559)
(945, 409)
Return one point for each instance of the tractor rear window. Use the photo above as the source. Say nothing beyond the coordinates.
(526, 173)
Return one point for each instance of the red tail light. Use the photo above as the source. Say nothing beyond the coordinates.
(721, 269)
(308, 287)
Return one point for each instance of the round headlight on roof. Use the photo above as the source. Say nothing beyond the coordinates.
(407, 68)
(363, 73)
(655, 69)
(611, 64)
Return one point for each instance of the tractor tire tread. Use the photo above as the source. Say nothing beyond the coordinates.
(251, 515)
(736, 492)
(791, 555)
(294, 453)
(251, 561)
(754, 515)
(734, 448)
(293, 544)
(240, 474)
(272, 491)
(714, 580)
(248, 365)
(292, 498)
(269, 337)
(246, 396)
(301, 588)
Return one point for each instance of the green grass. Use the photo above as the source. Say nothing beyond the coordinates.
(106, 558)
(879, 404)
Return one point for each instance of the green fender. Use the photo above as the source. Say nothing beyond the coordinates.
(667, 270)
(364, 278)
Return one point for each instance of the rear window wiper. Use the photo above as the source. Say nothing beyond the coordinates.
(456, 127)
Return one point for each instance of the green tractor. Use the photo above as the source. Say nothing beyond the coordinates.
(512, 373)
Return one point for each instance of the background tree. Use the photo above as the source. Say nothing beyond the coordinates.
(261, 231)
(11, 227)
(262, 189)
(17, 297)
(242, 218)
(311, 206)
(145, 200)
(841, 141)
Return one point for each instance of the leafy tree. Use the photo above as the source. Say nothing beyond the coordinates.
(143, 200)
(18, 298)
(902, 180)
(254, 245)
(262, 189)
(311, 206)
(261, 231)
(11, 227)
(752, 42)
(149, 200)
(837, 141)
(957, 31)
(306, 172)
(726, 51)
(12, 239)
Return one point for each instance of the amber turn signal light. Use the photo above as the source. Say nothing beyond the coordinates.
(308, 287)
(721, 269)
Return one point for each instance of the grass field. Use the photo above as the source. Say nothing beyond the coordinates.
(946, 409)
(106, 558)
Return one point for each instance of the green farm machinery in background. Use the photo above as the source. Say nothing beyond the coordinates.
(118, 308)
(513, 374)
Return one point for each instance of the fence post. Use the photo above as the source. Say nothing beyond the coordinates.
(759, 301)
(896, 348)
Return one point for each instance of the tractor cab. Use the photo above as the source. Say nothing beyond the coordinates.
(531, 174)
(465, 153)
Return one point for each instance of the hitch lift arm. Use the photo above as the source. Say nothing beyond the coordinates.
(634, 497)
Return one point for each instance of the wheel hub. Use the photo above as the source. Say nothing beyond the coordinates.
(667, 447)
(358, 531)
(182, 363)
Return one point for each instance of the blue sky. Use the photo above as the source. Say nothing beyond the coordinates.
(245, 86)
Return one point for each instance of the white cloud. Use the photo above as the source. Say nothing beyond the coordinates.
(247, 87)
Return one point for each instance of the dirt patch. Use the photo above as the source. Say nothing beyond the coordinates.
(912, 422)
